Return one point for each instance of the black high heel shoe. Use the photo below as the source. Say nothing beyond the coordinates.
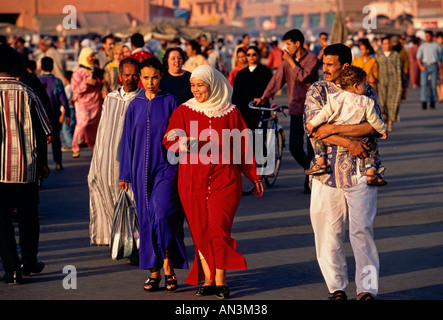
(153, 282)
(222, 292)
(171, 282)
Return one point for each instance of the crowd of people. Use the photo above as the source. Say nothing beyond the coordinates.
(137, 109)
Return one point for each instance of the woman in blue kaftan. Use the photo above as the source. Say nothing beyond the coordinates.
(144, 164)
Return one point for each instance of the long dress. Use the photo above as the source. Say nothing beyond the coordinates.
(210, 192)
(390, 83)
(104, 170)
(144, 164)
(88, 106)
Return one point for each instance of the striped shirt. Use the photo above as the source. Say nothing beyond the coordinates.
(18, 137)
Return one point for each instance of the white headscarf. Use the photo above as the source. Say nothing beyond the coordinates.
(219, 101)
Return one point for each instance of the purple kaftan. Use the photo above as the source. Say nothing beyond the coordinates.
(143, 163)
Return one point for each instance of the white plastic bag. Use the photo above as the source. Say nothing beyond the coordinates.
(124, 230)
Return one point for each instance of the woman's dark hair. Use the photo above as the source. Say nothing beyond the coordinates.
(152, 62)
(166, 56)
(339, 49)
(294, 35)
(195, 46)
(240, 50)
(350, 76)
(365, 42)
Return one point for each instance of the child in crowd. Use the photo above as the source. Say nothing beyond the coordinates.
(347, 107)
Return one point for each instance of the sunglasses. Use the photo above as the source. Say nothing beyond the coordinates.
(251, 54)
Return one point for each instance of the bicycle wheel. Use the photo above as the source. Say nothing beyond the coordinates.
(248, 186)
(270, 179)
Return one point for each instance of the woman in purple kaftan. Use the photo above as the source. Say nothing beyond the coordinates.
(143, 163)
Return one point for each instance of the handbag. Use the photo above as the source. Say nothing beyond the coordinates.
(124, 229)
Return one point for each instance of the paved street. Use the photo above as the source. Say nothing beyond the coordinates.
(274, 233)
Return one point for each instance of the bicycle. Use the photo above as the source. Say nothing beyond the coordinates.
(277, 137)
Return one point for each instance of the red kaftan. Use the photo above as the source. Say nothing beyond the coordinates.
(210, 193)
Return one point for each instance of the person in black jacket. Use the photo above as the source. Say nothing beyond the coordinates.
(250, 83)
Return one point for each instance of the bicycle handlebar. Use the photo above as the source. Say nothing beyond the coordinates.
(277, 107)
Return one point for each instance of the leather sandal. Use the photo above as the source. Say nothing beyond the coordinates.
(338, 295)
(171, 283)
(153, 282)
(366, 296)
(376, 181)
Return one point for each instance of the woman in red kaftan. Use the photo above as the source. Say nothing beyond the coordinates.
(212, 139)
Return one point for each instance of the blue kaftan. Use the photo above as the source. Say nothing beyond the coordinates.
(143, 163)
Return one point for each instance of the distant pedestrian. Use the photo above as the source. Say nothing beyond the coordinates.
(389, 81)
(138, 50)
(367, 62)
(69, 127)
(175, 79)
(242, 62)
(195, 56)
(105, 56)
(429, 59)
(88, 102)
(48, 50)
(111, 70)
(56, 92)
(275, 57)
(298, 71)
(23, 147)
(414, 69)
(249, 84)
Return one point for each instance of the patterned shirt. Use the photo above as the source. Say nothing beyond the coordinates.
(343, 165)
(20, 113)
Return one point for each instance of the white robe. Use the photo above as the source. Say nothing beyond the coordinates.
(104, 170)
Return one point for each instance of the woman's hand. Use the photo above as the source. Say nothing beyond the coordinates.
(258, 189)
(123, 185)
(171, 135)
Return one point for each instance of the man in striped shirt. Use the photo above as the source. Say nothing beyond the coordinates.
(24, 132)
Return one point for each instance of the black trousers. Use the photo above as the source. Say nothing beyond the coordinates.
(24, 197)
(296, 144)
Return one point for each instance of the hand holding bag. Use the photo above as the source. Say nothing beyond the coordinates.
(124, 230)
